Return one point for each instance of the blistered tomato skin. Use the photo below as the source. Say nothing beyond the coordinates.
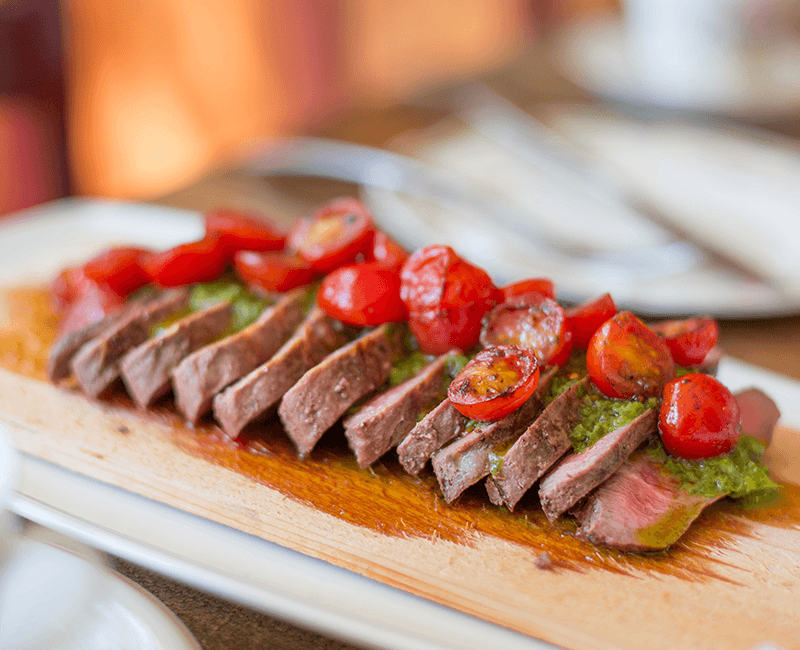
(119, 269)
(200, 261)
(544, 286)
(363, 295)
(495, 383)
(626, 359)
(387, 252)
(585, 319)
(689, 340)
(699, 417)
(240, 230)
(272, 272)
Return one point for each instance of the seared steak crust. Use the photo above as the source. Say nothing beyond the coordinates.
(432, 432)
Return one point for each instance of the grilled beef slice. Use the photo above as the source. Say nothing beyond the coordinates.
(386, 419)
(640, 508)
(759, 414)
(577, 474)
(429, 435)
(536, 450)
(204, 373)
(146, 370)
(96, 364)
(324, 393)
(257, 392)
(466, 461)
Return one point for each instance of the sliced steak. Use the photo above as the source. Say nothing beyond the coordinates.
(467, 460)
(536, 450)
(261, 389)
(96, 364)
(575, 476)
(204, 373)
(759, 414)
(386, 419)
(324, 393)
(640, 508)
(146, 370)
(429, 435)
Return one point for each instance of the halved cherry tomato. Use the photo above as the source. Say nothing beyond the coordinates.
(584, 319)
(272, 272)
(363, 294)
(627, 359)
(333, 235)
(496, 382)
(699, 418)
(688, 340)
(199, 261)
(95, 302)
(534, 321)
(446, 299)
(388, 252)
(544, 286)
(244, 231)
(119, 268)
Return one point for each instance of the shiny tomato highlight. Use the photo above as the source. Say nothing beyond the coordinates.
(627, 359)
(119, 268)
(532, 320)
(584, 319)
(363, 294)
(387, 252)
(495, 383)
(200, 261)
(699, 417)
(272, 272)
(688, 340)
(244, 231)
(544, 286)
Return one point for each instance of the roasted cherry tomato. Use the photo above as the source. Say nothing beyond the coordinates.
(495, 383)
(68, 286)
(446, 299)
(272, 272)
(94, 303)
(627, 359)
(199, 261)
(544, 286)
(363, 294)
(118, 268)
(387, 252)
(584, 319)
(244, 231)
(534, 321)
(699, 418)
(333, 235)
(688, 340)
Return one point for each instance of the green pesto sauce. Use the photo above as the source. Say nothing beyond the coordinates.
(601, 415)
(738, 474)
(408, 365)
(570, 373)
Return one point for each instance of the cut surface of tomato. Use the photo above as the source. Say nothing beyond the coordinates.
(627, 359)
(119, 268)
(363, 294)
(688, 340)
(272, 272)
(496, 382)
(333, 235)
(244, 231)
(584, 319)
(699, 417)
(532, 320)
(544, 286)
(387, 252)
(200, 261)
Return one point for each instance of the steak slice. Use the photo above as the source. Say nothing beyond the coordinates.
(204, 373)
(257, 392)
(536, 450)
(640, 508)
(386, 419)
(324, 393)
(575, 476)
(146, 370)
(467, 460)
(429, 435)
(96, 364)
(758, 413)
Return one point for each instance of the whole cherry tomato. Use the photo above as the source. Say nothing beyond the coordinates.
(446, 299)
(199, 261)
(244, 231)
(534, 321)
(118, 268)
(584, 319)
(333, 235)
(273, 272)
(496, 382)
(68, 286)
(544, 286)
(363, 294)
(699, 418)
(95, 302)
(388, 252)
(688, 340)
(627, 359)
